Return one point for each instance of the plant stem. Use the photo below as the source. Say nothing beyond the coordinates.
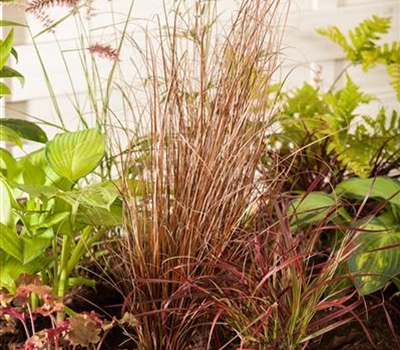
(84, 242)
(63, 273)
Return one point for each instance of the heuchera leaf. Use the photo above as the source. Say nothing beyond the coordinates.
(73, 155)
(83, 330)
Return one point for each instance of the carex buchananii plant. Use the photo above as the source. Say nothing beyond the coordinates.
(188, 189)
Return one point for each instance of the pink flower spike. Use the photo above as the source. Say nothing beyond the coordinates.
(104, 51)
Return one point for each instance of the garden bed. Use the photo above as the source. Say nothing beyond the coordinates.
(351, 336)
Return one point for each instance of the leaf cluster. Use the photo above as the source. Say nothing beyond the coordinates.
(43, 207)
(7, 50)
(375, 231)
(362, 47)
(323, 137)
(86, 330)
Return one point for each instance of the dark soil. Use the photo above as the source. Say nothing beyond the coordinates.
(103, 300)
(376, 329)
(381, 323)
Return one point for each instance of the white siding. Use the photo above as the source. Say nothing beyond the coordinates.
(304, 52)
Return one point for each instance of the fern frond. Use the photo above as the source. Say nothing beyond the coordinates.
(362, 46)
(336, 36)
(394, 73)
(368, 31)
(389, 52)
(346, 100)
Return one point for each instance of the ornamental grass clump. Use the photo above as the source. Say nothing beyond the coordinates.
(280, 291)
(211, 256)
(207, 121)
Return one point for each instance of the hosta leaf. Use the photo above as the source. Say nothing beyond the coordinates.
(7, 202)
(37, 171)
(5, 23)
(377, 259)
(10, 242)
(100, 216)
(5, 48)
(98, 195)
(312, 208)
(4, 89)
(11, 268)
(25, 129)
(8, 72)
(9, 135)
(8, 164)
(35, 190)
(6, 280)
(74, 155)
(36, 245)
(379, 187)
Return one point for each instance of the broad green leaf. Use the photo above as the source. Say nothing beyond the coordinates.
(6, 280)
(8, 72)
(36, 191)
(312, 208)
(8, 164)
(7, 202)
(4, 89)
(9, 135)
(36, 245)
(11, 269)
(98, 195)
(37, 171)
(5, 48)
(74, 155)
(379, 187)
(377, 259)
(52, 221)
(56, 218)
(10, 242)
(100, 216)
(5, 23)
(25, 129)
